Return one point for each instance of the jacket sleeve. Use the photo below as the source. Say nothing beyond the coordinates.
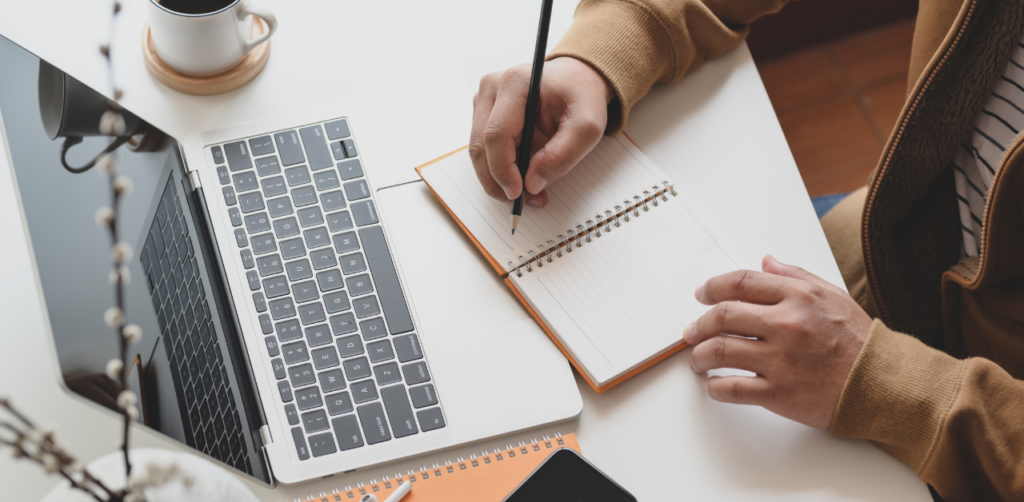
(637, 43)
(958, 423)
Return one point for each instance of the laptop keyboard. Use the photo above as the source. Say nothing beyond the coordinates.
(209, 416)
(349, 367)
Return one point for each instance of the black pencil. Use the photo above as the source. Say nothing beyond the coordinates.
(532, 108)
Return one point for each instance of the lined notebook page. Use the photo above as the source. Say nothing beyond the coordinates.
(624, 298)
(612, 173)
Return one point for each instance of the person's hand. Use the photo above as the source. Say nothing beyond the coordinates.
(804, 335)
(573, 114)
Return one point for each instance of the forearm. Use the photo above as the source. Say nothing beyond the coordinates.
(637, 43)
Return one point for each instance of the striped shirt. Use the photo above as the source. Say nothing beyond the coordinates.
(998, 124)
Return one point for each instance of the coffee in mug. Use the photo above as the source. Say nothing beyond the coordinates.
(195, 6)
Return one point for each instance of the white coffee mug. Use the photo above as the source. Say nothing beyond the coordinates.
(207, 44)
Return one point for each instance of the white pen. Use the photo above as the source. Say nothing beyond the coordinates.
(397, 495)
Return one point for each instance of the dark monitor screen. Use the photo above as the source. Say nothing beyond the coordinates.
(565, 476)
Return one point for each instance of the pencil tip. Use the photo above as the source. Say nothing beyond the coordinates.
(515, 223)
(513, 231)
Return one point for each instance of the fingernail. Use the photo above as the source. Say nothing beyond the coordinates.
(534, 202)
(699, 292)
(510, 194)
(688, 333)
(536, 183)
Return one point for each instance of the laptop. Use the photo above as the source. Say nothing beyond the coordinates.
(297, 322)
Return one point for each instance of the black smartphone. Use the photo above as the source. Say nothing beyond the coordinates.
(565, 476)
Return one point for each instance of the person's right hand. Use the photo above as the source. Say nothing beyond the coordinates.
(573, 114)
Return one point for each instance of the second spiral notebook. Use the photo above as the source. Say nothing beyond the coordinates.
(608, 267)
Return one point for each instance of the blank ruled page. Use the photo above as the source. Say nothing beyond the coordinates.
(624, 298)
(612, 173)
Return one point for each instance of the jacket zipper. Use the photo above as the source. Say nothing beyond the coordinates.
(869, 263)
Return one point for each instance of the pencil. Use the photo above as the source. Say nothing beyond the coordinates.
(532, 108)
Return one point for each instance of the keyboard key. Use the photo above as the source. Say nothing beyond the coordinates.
(289, 148)
(322, 444)
(269, 265)
(339, 221)
(353, 263)
(279, 369)
(259, 301)
(267, 166)
(337, 302)
(251, 202)
(285, 390)
(240, 239)
(408, 348)
(298, 270)
(396, 311)
(338, 150)
(339, 403)
(337, 129)
(305, 291)
(229, 196)
(301, 375)
(359, 285)
(430, 419)
(312, 313)
(298, 175)
(380, 351)
(236, 216)
(300, 443)
(272, 347)
(280, 309)
(308, 398)
(272, 187)
(375, 426)
(331, 380)
(318, 335)
(343, 324)
(346, 242)
(325, 358)
(329, 280)
(350, 148)
(373, 329)
(275, 286)
(295, 352)
(415, 373)
(310, 216)
(350, 169)
(304, 196)
(356, 190)
(280, 206)
(288, 330)
(254, 280)
(358, 368)
(218, 154)
(238, 156)
(322, 259)
(263, 244)
(399, 411)
(286, 227)
(423, 396)
(316, 147)
(366, 306)
(347, 430)
(265, 324)
(387, 374)
(365, 213)
(257, 222)
(223, 176)
(292, 248)
(350, 346)
(326, 180)
(261, 145)
(292, 414)
(332, 201)
(245, 181)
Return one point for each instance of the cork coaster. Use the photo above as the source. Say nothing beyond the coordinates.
(250, 66)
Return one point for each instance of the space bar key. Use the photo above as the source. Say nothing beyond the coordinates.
(392, 300)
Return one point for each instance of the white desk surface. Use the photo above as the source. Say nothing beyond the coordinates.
(715, 133)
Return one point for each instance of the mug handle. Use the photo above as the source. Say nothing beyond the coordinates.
(245, 9)
(71, 141)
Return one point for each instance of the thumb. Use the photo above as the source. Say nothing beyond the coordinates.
(773, 266)
(573, 140)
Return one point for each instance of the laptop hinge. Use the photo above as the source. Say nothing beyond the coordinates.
(265, 435)
(193, 177)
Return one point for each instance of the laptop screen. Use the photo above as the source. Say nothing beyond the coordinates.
(189, 369)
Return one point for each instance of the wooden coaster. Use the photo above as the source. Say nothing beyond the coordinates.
(250, 66)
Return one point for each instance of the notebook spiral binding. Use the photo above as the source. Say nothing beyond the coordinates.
(586, 231)
(436, 470)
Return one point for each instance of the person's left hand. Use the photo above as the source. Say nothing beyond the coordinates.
(803, 336)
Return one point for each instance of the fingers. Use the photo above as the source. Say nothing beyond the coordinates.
(574, 139)
(729, 352)
(483, 103)
(773, 266)
(746, 286)
(740, 390)
(504, 125)
(730, 318)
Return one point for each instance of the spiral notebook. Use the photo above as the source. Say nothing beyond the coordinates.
(608, 267)
(489, 477)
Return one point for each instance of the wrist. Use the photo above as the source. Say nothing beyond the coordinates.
(593, 78)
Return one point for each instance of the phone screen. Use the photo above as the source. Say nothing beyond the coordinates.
(567, 477)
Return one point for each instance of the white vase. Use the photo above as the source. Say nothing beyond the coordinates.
(210, 483)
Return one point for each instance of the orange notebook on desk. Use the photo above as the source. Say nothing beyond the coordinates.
(608, 267)
(489, 477)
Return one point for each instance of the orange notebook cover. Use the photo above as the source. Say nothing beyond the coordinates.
(489, 477)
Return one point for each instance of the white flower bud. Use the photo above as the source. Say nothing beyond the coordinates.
(114, 367)
(107, 165)
(122, 252)
(114, 317)
(133, 412)
(51, 464)
(112, 124)
(126, 275)
(126, 398)
(104, 217)
(33, 435)
(123, 185)
(132, 333)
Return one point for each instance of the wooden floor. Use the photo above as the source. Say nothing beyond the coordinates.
(838, 102)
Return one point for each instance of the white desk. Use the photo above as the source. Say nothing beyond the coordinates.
(715, 133)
